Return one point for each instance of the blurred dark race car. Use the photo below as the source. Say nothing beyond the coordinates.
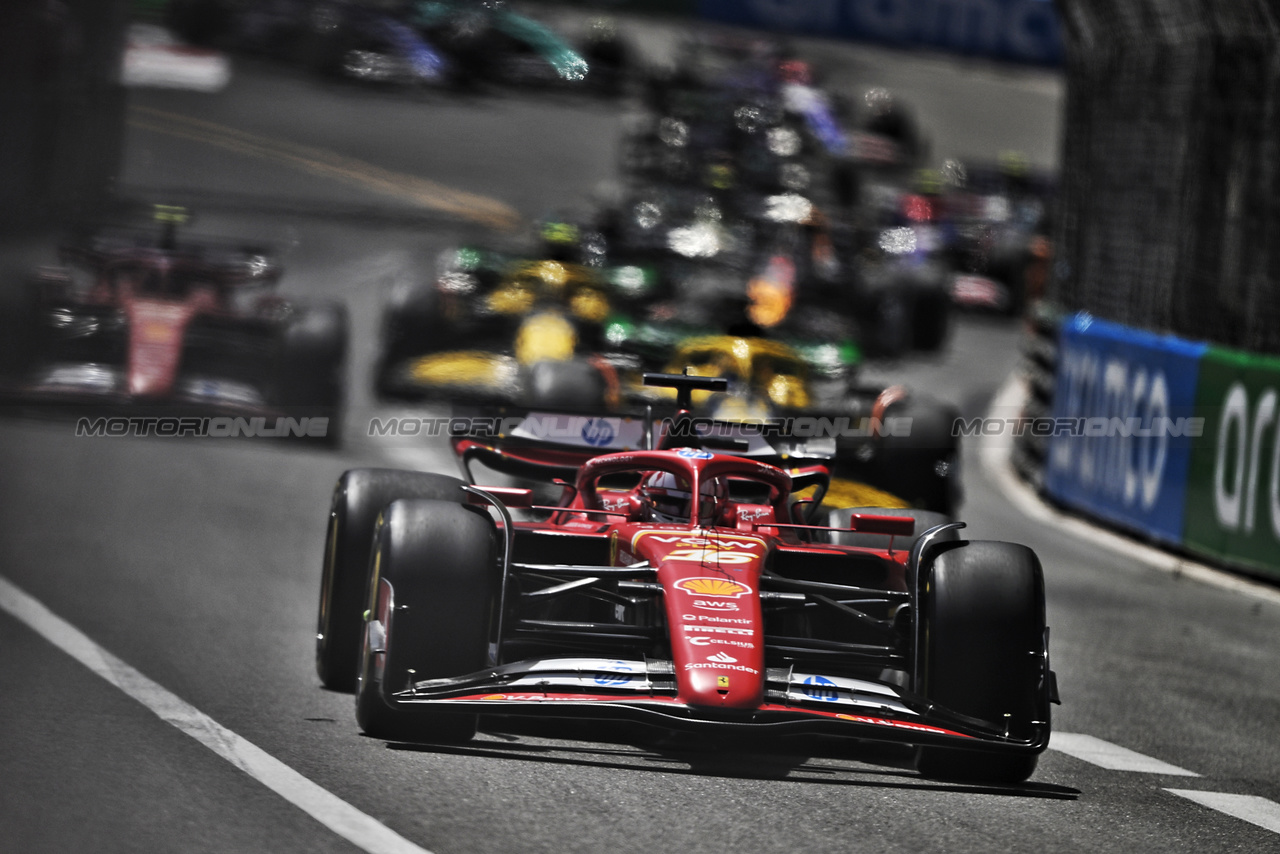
(748, 123)
(999, 217)
(798, 272)
(901, 242)
(174, 325)
(676, 588)
(753, 103)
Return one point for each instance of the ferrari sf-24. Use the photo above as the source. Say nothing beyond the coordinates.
(690, 590)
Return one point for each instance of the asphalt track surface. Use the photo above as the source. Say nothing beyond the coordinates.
(150, 587)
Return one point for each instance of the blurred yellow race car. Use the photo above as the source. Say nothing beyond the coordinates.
(886, 447)
(493, 329)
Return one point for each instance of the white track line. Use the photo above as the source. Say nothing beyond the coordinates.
(1113, 757)
(1250, 808)
(995, 455)
(336, 814)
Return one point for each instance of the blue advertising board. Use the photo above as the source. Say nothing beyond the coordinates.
(1026, 31)
(1124, 423)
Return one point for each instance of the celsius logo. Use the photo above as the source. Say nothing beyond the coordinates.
(705, 641)
(723, 658)
(598, 432)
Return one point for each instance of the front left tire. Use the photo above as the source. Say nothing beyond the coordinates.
(432, 597)
(359, 496)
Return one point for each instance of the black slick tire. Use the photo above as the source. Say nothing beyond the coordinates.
(433, 593)
(358, 497)
(983, 627)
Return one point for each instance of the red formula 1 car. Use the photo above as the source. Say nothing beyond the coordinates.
(687, 590)
(175, 326)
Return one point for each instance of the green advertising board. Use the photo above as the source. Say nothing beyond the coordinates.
(1233, 487)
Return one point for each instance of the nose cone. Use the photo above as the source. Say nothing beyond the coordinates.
(157, 329)
(724, 682)
(711, 582)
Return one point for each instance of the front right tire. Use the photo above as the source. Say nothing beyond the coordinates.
(983, 635)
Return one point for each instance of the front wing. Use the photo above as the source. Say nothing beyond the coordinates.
(644, 692)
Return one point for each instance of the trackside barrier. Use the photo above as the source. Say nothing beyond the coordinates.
(1040, 368)
(1124, 405)
(1024, 31)
(1171, 439)
(1233, 488)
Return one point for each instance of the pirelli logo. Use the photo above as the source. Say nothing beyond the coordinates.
(717, 630)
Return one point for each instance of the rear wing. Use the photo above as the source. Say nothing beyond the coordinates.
(545, 445)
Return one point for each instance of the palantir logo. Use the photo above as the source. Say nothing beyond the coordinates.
(598, 432)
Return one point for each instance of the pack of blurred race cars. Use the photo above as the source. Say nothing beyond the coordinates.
(764, 229)
(433, 43)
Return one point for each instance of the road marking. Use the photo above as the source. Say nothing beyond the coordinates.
(1113, 757)
(995, 453)
(1250, 808)
(420, 191)
(334, 813)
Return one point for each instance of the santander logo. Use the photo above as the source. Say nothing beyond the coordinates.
(722, 658)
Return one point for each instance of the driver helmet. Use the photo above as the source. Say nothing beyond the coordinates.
(879, 101)
(795, 71)
(668, 498)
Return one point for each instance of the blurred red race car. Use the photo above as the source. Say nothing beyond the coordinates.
(689, 590)
(175, 326)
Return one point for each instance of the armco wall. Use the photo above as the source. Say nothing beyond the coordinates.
(1174, 440)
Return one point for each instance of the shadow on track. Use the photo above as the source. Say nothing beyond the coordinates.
(811, 762)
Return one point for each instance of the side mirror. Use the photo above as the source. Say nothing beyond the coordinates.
(512, 496)
(896, 526)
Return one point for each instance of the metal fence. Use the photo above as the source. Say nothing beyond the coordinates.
(1170, 182)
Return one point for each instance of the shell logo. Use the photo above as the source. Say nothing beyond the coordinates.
(716, 587)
